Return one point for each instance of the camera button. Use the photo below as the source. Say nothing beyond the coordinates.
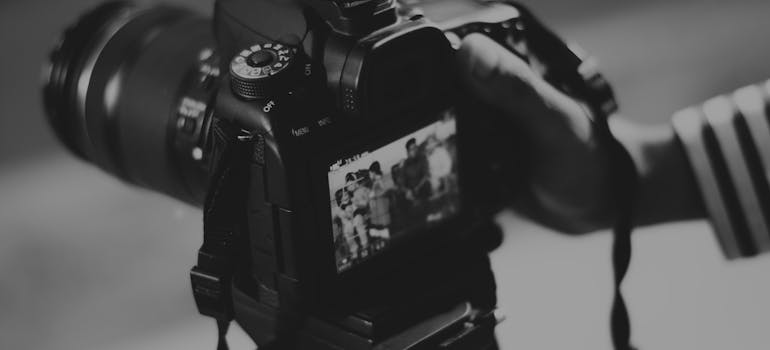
(262, 70)
(187, 125)
(454, 40)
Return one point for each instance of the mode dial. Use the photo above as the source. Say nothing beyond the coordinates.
(262, 70)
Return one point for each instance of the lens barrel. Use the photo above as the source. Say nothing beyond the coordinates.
(114, 88)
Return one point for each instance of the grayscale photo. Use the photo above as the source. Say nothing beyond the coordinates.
(384, 174)
(370, 206)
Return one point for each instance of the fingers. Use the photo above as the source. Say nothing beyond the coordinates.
(505, 81)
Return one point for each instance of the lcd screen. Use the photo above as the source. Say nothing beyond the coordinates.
(383, 194)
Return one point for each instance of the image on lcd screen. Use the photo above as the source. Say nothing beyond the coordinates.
(379, 195)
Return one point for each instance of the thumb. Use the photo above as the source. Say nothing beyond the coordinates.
(505, 81)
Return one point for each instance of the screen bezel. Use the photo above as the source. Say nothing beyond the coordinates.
(411, 229)
(413, 248)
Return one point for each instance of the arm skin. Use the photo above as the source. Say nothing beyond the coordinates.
(570, 170)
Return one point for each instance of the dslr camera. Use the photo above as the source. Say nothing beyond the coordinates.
(347, 180)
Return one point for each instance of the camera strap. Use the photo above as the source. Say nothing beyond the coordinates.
(569, 70)
(625, 186)
(223, 229)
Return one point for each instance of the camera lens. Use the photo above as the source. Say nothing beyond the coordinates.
(115, 88)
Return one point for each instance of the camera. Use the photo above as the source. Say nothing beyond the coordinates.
(348, 182)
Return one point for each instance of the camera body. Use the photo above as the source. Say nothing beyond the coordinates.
(348, 181)
(353, 100)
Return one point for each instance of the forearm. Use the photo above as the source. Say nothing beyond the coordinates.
(667, 187)
(713, 162)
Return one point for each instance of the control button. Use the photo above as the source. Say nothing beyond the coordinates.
(260, 58)
(262, 70)
(454, 40)
(208, 68)
(187, 125)
(207, 76)
(205, 81)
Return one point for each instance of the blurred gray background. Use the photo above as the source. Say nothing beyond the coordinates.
(87, 262)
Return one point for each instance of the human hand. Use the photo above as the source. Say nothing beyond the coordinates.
(569, 174)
